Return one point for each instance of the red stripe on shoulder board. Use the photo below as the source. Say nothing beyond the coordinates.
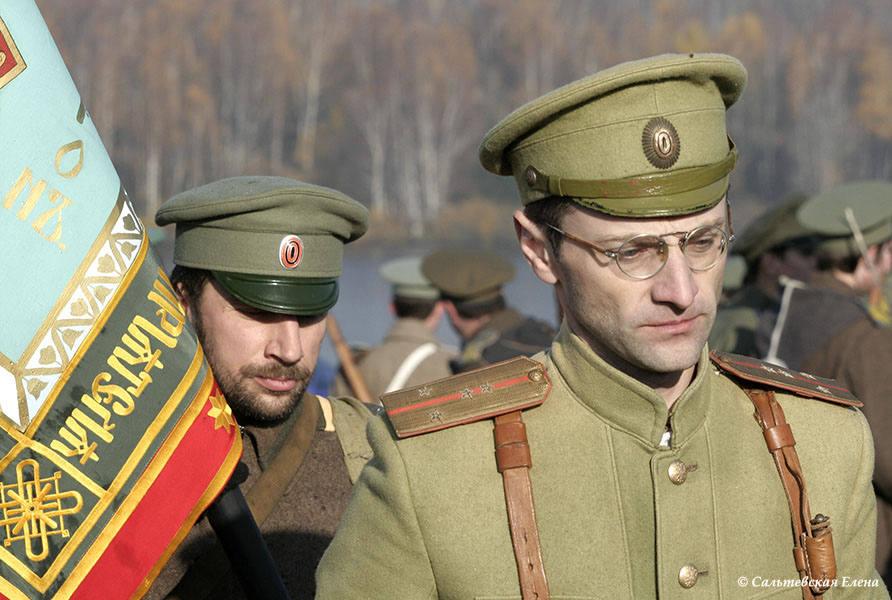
(792, 374)
(434, 401)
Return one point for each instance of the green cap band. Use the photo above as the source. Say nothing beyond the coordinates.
(670, 187)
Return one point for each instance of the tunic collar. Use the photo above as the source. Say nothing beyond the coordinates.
(625, 403)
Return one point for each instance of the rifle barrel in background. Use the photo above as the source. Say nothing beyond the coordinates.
(354, 378)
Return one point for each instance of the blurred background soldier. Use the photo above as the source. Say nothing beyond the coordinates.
(825, 327)
(410, 353)
(470, 284)
(773, 245)
(257, 267)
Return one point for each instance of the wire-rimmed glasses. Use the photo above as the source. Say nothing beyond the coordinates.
(644, 255)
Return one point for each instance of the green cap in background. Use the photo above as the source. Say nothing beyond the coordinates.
(870, 202)
(407, 280)
(466, 275)
(642, 139)
(774, 228)
(272, 242)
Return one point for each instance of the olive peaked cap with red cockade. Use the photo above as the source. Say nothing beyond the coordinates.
(274, 243)
(642, 139)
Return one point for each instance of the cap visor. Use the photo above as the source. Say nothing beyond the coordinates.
(284, 295)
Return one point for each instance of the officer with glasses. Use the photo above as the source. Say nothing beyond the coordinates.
(624, 461)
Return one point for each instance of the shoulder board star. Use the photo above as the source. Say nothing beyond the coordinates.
(485, 393)
(802, 384)
(220, 411)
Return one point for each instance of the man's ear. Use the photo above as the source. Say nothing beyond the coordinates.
(435, 316)
(450, 309)
(535, 248)
(184, 300)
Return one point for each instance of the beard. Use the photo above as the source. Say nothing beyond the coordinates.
(250, 401)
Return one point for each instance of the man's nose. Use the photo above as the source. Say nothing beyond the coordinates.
(674, 284)
(284, 340)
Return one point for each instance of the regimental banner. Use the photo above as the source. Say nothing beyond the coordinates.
(114, 436)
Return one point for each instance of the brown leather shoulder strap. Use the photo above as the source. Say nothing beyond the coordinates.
(206, 572)
(514, 462)
(813, 540)
(272, 483)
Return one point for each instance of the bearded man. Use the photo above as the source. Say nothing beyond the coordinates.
(257, 266)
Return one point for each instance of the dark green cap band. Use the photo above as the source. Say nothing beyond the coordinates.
(284, 295)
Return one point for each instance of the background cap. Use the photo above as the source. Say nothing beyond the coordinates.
(466, 274)
(871, 204)
(405, 275)
(642, 139)
(272, 242)
(772, 229)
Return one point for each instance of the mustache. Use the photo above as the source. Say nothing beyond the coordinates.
(276, 371)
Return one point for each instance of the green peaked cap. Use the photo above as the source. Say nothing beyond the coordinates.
(870, 202)
(466, 274)
(772, 229)
(642, 139)
(272, 242)
(405, 276)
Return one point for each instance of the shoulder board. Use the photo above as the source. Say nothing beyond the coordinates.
(494, 390)
(771, 375)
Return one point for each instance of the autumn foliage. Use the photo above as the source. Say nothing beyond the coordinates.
(388, 99)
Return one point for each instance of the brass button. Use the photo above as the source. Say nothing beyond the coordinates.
(678, 472)
(687, 576)
(535, 375)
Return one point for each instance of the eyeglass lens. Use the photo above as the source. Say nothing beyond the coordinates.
(644, 255)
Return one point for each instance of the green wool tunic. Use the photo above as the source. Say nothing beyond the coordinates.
(428, 520)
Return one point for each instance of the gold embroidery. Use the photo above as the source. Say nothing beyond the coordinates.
(78, 316)
(138, 348)
(34, 509)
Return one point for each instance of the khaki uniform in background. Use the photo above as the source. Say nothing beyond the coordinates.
(379, 365)
(410, 353)
(471, 281)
